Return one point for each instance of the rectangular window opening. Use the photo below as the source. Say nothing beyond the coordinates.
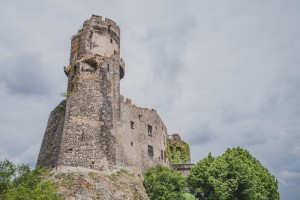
(132, 124)
(150, 150)
(150, 130)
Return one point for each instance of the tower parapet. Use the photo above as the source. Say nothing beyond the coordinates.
(97, 37)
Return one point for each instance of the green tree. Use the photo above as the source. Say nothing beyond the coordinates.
(22, 183)
(235, 175)
(163, 183)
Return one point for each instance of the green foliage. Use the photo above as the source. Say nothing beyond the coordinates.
(65, 94)
(188, 196)
(178, 151)
(162, 183)
(22, 183)
(234, 175)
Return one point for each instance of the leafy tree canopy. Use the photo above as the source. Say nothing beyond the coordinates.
(22, 183)
(235, 175)
(163, 183)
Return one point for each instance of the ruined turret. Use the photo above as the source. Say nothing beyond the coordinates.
(88, 138)
(94, 127)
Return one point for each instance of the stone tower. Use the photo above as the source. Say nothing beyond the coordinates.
(93, 104)
(95, 127)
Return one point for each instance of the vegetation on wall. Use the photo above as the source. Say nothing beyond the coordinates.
(65, 94)
(178, 151)
(22, 183)
(232, 176)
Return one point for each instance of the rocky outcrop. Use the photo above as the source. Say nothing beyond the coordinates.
(92, 185)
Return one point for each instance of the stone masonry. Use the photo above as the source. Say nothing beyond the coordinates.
(95, 127)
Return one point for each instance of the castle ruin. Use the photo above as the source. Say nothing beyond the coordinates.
(95, 127)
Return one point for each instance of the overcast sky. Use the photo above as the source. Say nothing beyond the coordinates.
(220, 73)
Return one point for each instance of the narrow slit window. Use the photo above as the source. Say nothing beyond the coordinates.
(111, 40)
(150, 130)
(75, 69)
(150, 150)
(132, 124)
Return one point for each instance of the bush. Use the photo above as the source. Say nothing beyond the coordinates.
(20, 182)
(232, 176)
(162, 183)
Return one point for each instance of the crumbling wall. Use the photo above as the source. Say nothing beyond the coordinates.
(98, 37)
(142, 138)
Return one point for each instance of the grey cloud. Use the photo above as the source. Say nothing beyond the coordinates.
(222, 74)
(23, 76)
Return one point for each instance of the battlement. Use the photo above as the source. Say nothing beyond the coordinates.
(99, 20)
(97, 37)
(128, 102)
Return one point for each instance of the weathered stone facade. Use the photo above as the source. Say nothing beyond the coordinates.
(95, 128)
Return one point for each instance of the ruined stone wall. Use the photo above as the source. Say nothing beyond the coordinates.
(50, 146)
(139, 130)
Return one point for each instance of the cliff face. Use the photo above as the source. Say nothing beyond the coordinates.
(96, 185)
